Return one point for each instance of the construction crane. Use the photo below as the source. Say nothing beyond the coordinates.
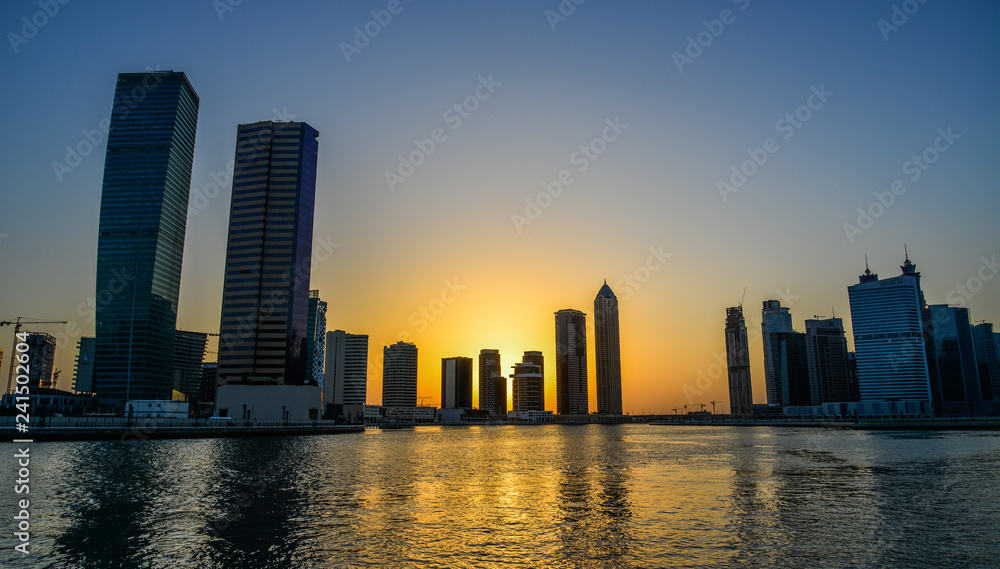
(17, 330)
(713, 406)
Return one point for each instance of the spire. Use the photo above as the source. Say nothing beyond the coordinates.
(868, 275)
(907, 267)
(605, 291)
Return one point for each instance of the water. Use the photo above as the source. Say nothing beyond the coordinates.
(517, 496)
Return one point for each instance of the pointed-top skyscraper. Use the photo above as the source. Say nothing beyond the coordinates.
(608, 346)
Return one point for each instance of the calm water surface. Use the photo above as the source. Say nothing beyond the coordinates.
(521, 496)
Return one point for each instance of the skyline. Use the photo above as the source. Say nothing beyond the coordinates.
(447, 237)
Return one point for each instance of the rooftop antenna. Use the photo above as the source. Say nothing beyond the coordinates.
(743, 297)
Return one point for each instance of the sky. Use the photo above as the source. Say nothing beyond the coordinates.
(485, 164)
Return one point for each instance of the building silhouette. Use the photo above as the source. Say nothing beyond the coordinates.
(774, 318)
(529, 383)
(492, 384)
(83, 367)
(951, 360)
(988, 360)
(607, 345)
(189, 355)
(829, 374)
(571, 362)
(265, 302)
(316, 338)
(346, 381)
(399, 375)
(41, 358)
(738, 360)
(790, 368)
(456, 383)
(140, 244)
(888, 336)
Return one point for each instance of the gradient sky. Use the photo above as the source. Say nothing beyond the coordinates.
(655, 186)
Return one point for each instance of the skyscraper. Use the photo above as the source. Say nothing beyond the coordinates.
(316, 337)
(829, 377)
(189, 354)
(790, 368)
(140, 244)
(529, 383)
(492, 384)
(399, 375)
(607, 344)
(774, 318)
(571, 362)
(83, 368)
(738, 359)
(456, 383)
(888, 337)
(41, 358)
(951, 360)
(988, 360)
(346, 381)
(265, 299)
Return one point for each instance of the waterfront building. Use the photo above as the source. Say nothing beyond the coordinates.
(41, 358)
(316, 338)
(399, 375)
(346, 381)
(456, 383)
(774, 318)
(888, 336)
(140, 244)
(987, 360)
(607, 345)
(571, 362)
(83, 367)
(529, 383)
(829, 374)
(738, 361)
(790, 368)
(189, 354)
(951, 360)
(265, 302)
(492, 384)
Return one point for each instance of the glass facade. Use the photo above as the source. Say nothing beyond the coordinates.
(265, 299)
(571, 362)
(607, 344)
(144, 202)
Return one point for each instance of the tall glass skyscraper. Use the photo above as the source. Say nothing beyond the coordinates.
(265, 300)
(456, 383)
(492, 384)
(773, 318)
(888, 336)
(144, 202)
(571, 362)
(607, 344)
(399, 375)
(316, 338)
(829, 378)
(738, 359)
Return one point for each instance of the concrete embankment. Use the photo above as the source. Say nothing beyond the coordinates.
(140, 429)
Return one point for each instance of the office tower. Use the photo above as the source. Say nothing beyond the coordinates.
(399, 375)
(790, 368)
(346, 381)
(456, 383)
(265, 299)
(888, 337)
(951, 360)
(829, 377)
(536, 358)
(140, 244)
(529, 384)
(209, 382)
(492, 385)
(316, 338)
(571, 362)
(987, 360)
(852, 375)
(83, 368)
(773, 318)
(738, 359)
(607, 344)
(189, 353)
(41, 358)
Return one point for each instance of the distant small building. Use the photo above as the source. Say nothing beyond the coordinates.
(46, 401)
(83, 370)
(159, 408)
(289, 403)
(533, 416)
